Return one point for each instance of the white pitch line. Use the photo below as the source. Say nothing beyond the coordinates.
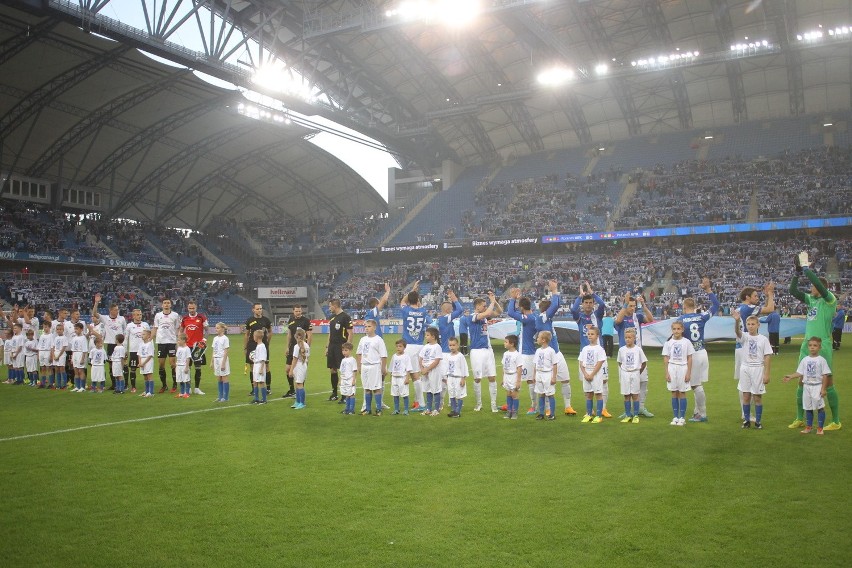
(134, 420)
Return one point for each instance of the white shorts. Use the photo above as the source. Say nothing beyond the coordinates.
(398, 386)
(433, 382)
(509, 381)
(217, 367)
(482, 363)
(413, 352)
(31, 364)
(455, 388)
(7, 358)
(596, 384)
(256, 375)
(700, 368)
(751, 380)
(148, 369)
(811, 400)
(300, 373)
(78, 360)
(643, 376)
(117, 369)
(527, 366)
(20, 360)
(44, 359)
(544, 387)
(562, 374)
(182, 374)
(347, 386)
(371, 377)
(443, 366)
(678, 376)
(629, 381)
(98, 375)
(738, 362)
(61, 361)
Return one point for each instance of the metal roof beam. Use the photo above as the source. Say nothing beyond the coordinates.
(660, 28)
(733, 69)
(783, 13)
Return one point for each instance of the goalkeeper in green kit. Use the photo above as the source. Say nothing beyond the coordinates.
(822, 305)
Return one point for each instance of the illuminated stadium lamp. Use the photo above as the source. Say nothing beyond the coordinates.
(452, 13)
(601, 69)
(601, 149)
(828, 124)
(709, 137)
(555, 76)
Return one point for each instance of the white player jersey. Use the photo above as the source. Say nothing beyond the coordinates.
(183, 355)
(429, 353)
(18, 342)
(133, 332)
(400, 365)
(167, 327)
(372, 349)
(297, 353)
(678, 350)
(66, 328)
(348, 367)
(812, 369)
(31, 348)
(631, 358)
(511, 362)
(590, 355)
(545, 360)
(118, 354)
(219, 346)
(456, 365)
(59, 341)
(97, 357)
(45, 341)
(99, 330)
(32, 325)
(756, 347)
(145, 350)
(113, 327)
(79, 344)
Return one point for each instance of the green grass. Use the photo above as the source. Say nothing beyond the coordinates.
(251, 486)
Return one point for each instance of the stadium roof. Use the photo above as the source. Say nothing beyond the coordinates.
(86, 110)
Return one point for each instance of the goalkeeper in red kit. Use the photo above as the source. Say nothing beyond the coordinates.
(194, 326)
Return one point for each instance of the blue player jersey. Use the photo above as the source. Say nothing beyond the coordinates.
(373, 315)
(595, 319)
(446, 329)
(544, 321)
(635, 321)
(414, 324)
(693, 324)
(527, 322)
(477, 331)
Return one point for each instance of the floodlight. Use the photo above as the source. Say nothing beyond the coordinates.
(555, 76)
(601, 69)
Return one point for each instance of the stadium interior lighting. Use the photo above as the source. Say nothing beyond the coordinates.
(813, 35)
(601, 68)
(666, 59)
(453, 13)
(279, 79)
(709, 137)
(828, 124)
(555, 76)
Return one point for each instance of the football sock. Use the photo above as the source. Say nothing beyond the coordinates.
(290, 382)
(492, 390)
(541, 405)
(643, 393)
(566, 393)
(700, 401)
(227, 389)
(675, 407)
(747, 412)
(396, 404)
(820, 417)
(758, 412)
(809, 417)
(627, 411)
(532, 395)
(429, 400)
(552, 400)
(517, 402)
(477, 392)
(418, 392)
(800, 411)
(833, 403)
(437, 401)
(368, 400)
(174, 377)
(263, 393)
(268, 380)
(405, 403)
(635, 408)
(254, 391)
(600, 406)
(682, 407)
(378, 398)
(589, 406)
(508, 402)
(459, 403)
(133, 379)
(197, 377)
(162, 376)
(334, 379)
(221, 387)
(605, 393)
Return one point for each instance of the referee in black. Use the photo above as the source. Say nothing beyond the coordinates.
(255, 322)
(297, 321)
(339, 332)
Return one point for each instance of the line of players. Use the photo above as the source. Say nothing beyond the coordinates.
(65, 346)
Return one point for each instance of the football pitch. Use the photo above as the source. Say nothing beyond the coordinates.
(108, 480)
